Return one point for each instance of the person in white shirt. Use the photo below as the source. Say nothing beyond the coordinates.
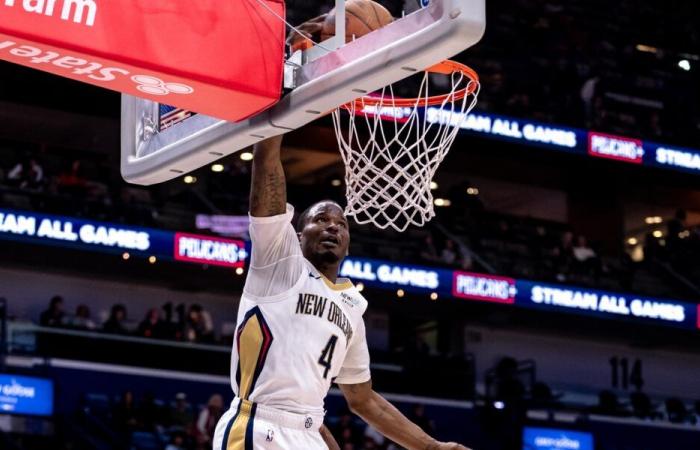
(299, 329)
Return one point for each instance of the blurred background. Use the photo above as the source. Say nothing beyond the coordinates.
(552, 304)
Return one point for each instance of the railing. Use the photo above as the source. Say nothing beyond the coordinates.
(28, 339)
(390, 372)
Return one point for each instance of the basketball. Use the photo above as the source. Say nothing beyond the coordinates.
(361, 17)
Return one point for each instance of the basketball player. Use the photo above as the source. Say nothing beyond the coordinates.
(299, 329)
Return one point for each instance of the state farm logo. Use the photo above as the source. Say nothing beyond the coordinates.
(83, 69)
(615, 147)
(155, 86)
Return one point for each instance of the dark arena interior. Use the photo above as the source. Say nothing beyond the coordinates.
(552, 304)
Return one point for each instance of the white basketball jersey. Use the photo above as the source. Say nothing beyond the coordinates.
(297, 331)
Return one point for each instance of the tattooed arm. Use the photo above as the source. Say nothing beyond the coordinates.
(268, 191)
(385, 418)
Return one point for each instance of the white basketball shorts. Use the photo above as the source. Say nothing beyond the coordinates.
(250, 426)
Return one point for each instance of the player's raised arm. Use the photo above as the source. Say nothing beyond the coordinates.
(268, 190)
(385, 418)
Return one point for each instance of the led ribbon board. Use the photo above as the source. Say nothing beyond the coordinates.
(571, 140)
(116, 238)
(112, 238)
(521, 293)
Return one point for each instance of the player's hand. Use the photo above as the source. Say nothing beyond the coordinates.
(311, 29)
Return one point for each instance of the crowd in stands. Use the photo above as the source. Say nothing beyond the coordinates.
(576, 63)
(174, 424)
(681, 245)
(177, 424)
(514, 384)
(477, 239)
(567, 62)
(512, 388)
(353, 434)
(179, 323)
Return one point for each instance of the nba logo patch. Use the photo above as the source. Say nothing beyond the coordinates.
(270, 435)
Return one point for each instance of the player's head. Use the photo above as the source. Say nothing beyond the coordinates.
(323, 233)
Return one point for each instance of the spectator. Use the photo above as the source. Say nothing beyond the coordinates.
(177, 442)
(373, 437)
(54, 315)
(199, 325)
(124, 413)
(27, 174)
(149, 413)
(181, 415)
(115, 322)
(609, 405)
(71, 181)
(207, 420)
(82, 319)
(677, 225)
(152, 326)
(508, 387)
(585, 258)
(181, 321)
(346, 432)
(563, 255)
(581, 251)
(418, 417)
(172, 325)
(429, 253)
(675, 228)
(450, 253)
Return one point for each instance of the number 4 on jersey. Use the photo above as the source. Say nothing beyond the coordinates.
(327, 355)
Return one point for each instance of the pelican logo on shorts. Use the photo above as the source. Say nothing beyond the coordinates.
(309, 422)
(155, 86)
(270, 435)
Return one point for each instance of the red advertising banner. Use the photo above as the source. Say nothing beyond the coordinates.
(222, 58)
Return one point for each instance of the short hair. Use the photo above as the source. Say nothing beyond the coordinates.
(301, 220)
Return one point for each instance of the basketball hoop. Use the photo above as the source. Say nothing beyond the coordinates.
(393, 146)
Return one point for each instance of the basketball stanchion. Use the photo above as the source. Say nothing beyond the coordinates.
(391, 148)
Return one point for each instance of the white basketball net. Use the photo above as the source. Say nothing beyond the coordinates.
(391, 160)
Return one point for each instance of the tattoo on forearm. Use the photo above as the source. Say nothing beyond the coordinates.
(268, 194)
(275, 190)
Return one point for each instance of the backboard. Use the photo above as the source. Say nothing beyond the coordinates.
(159, 143)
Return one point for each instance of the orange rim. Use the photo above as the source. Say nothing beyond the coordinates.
(447, 67)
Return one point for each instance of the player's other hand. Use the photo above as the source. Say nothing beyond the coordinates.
(311, 29)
